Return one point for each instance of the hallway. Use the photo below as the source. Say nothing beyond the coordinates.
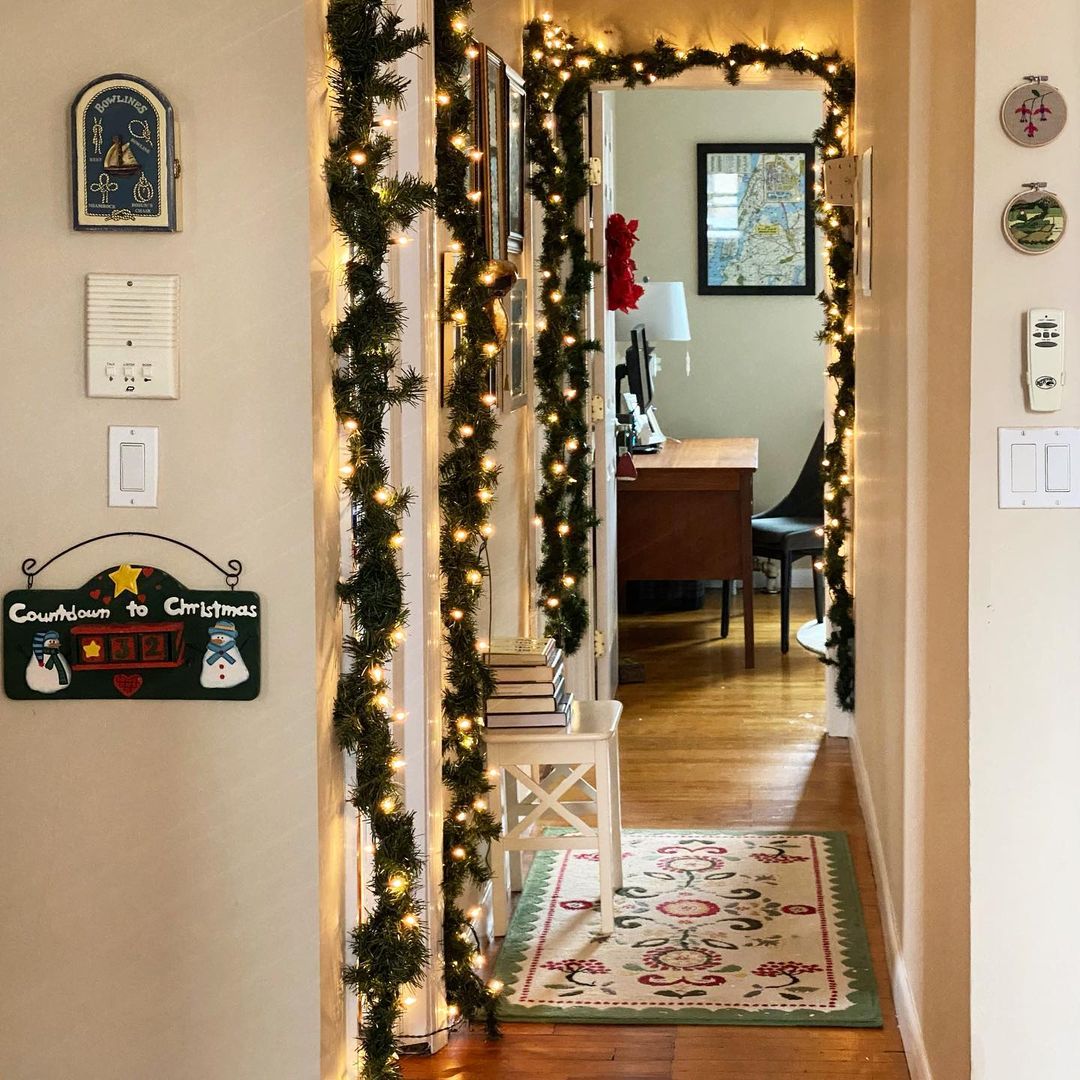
(707, 743)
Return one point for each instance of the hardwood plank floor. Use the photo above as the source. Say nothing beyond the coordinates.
(707, 743)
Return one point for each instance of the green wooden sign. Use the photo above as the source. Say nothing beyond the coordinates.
(131, 631)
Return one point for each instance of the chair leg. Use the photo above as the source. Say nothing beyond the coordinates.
(605, 840)
(500, 882)
(785, 600)
(725, 608)
(819, 591)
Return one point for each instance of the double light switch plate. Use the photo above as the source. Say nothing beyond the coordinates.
(1038, 467)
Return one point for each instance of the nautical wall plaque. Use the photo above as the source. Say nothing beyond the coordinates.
(132, 631)
(124, 164)
(1034, 112)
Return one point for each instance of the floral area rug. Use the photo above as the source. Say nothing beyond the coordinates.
(710, 928)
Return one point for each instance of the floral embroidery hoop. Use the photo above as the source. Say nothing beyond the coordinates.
(1034, 112)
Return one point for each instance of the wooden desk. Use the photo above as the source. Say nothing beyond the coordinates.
(687, 516)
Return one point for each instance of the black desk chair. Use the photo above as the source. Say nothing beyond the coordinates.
(789, 532)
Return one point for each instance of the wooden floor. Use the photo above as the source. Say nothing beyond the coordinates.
(707, 743)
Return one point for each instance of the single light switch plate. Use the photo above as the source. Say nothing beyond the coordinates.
(133, 466)
(1038, 468)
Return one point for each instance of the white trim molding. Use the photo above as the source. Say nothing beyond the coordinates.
(907, 1012)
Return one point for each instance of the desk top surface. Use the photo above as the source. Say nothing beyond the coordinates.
(734, 453)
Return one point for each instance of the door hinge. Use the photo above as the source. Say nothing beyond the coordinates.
(599, 645)
(596, 408)
(596, 171)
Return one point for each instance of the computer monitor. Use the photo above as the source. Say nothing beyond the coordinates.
(636, 368)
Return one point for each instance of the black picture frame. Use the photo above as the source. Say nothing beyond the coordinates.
(493, 144)
(806, 151)
(515, 161)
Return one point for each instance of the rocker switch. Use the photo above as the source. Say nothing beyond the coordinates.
(133, 466)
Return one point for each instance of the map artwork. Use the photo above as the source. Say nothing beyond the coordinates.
(756, 219)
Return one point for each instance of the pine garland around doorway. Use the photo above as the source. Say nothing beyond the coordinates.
(560, 73)
(372, 208)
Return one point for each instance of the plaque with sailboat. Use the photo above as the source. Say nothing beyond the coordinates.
(124, 152)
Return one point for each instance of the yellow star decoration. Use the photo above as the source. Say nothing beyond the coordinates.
(92, 650)
(126, 579)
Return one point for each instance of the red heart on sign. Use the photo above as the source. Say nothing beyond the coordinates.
(128, 685)
(147, 571)
(95, 593)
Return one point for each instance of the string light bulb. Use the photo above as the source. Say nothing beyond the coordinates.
(357, 154)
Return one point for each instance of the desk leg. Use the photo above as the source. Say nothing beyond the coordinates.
(500, 884)
(748, 619)
(746, 506)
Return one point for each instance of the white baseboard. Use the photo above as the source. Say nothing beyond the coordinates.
(907, 1013)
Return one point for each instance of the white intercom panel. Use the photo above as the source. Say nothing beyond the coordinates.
(1045, 341)
(131, 335)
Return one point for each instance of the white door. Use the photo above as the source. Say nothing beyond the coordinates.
(605, 613)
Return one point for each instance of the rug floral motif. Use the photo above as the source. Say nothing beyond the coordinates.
(710, 928)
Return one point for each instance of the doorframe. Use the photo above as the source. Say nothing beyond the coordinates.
(603, 611)
(415, 672)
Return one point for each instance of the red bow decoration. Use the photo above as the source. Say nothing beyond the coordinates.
(623, 291)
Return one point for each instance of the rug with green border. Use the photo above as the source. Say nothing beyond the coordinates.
(757, 927)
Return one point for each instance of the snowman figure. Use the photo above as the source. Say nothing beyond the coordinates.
(48, 670)
(222, 665)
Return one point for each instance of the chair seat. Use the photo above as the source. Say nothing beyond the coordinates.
(787, 534)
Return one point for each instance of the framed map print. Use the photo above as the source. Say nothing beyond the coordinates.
(755, 219)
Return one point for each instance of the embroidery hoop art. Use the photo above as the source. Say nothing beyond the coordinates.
(1032, 94)
(1034, 191)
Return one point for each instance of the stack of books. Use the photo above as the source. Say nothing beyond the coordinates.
(530, 684)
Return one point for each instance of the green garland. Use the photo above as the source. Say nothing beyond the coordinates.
(371, 209)
(560, 72)
(467, 478)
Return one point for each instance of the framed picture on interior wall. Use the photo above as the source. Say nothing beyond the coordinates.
(517, 345)
(493, 144)
(515, 161)
(451, 331)
(755, 219)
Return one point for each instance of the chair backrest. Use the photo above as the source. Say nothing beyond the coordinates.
(806, 498)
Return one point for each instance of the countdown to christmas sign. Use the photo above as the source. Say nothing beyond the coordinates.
(132, 631)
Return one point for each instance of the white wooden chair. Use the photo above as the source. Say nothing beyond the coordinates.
(591, 741)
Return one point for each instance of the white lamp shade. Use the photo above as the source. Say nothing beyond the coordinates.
(662, 309)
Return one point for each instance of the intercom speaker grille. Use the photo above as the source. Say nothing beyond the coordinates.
(131, 334)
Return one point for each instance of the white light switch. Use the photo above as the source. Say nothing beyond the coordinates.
(1035, 467)
(1023, 473)
(1057, 468)
(133, 466)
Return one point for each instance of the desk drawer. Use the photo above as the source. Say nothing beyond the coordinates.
(658, 479)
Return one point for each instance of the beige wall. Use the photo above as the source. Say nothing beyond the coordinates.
(1024, 592)
(172, 870)
(756, 368)
(911, 514)
(820, 24)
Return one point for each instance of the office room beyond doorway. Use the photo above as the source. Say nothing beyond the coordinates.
(734, 381)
